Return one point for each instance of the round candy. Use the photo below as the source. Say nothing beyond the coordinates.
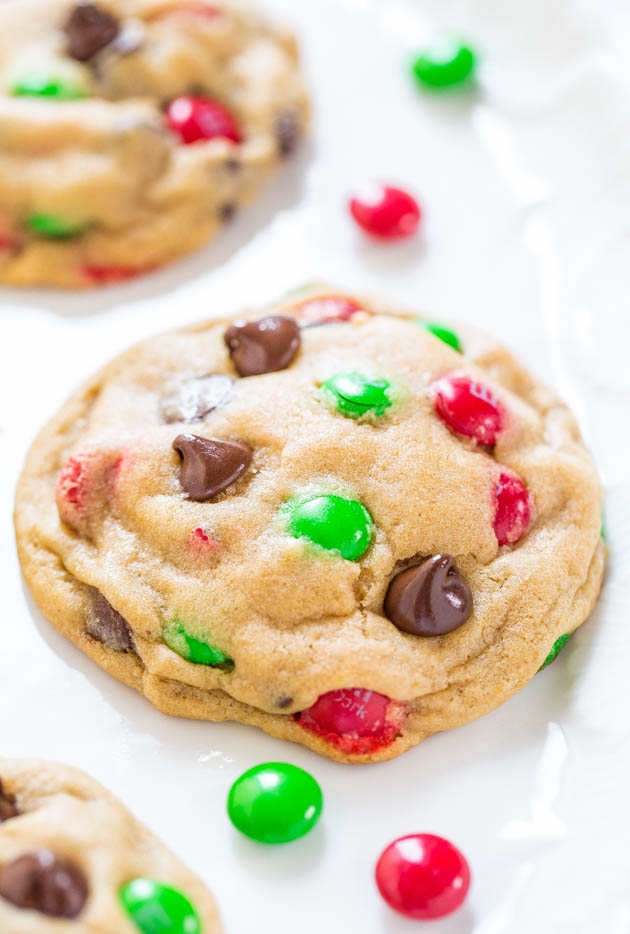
(197, 119)
(156, 908)
(55, 227)
(355, 394)
(104, 274)
(348, 711)
(325, 309)
(423, 876)
(393, 215)
(469, 408)
(556, 648)
(512, 509)
(44, 86)
(333, 522)
(193, 650)
(444, 63)
(275, 802)
(444, 334)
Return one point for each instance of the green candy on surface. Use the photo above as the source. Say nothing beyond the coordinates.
(355, 394)
(444, 334)
(156, 908)
(45, 86)
(193, 650)
(556, 648)
(333, 522)
(54, 227)
(275, 802)
(444, 63)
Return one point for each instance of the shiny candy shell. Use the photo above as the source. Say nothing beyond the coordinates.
(444, 63)
(355, 394)
(199, 119)
(193, 650)
(469, 408)
(333, 522)
(512, 509)
(393, 214)
(275, 802)
(444, 334)
(156, 908)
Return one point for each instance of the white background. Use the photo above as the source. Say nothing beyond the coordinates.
(526, 190)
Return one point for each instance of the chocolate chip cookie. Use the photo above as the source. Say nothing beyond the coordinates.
(131, 131)
(72, 858)
(339, 522)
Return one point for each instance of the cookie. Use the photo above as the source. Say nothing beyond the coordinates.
(343, 524)
(131, 131)
(73, 859)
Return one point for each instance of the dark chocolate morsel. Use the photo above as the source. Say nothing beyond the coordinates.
(209, 466)
(283, 702)
(46, 883)
(263, 346)
(430, 599)
(195, 398)
(227, 211)
(89, 28)
(107, 626)
(287, 130)
(8, 807)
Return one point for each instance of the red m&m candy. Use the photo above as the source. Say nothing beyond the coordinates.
(325, 309)
(469, 408)
(354, 720)
(392, 215)
(423, 876)
(197, 119)
(512, 509)
(101, 275)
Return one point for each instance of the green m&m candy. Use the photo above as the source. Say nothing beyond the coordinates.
(443, 63)
(40, 85)
(333, 522)
(275, 802)
(156, 908)
(193, 650)
(55, 227)
(444, 334)
(355, 394)
(556, 648)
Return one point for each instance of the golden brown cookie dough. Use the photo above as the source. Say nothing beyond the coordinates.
(72, 857)
(102, 173)
(251, 599)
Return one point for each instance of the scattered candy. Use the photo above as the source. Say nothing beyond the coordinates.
(444, 63)
(196, 397)
(275, 803)
(8, 807)
(512, 509)
(54, 227)
(37, 85)
(444, 334)
(210, 466)
(556, 648)
(354, 720)
(430, 599)
(200, 541)
(355, 394)
(43, 882)
(395, 214)
(263, 346)
(423, 876)
(89, 28)
(199, 119)
(333, 522)
(469, 408)
(106, 625)
(156, 908)
(326, 309)
(193, 650)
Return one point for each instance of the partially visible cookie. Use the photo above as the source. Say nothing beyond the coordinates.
(73, 860)
(131, 131)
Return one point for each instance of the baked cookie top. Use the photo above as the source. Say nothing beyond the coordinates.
(242, 516)
(73, 859)
(132, 130)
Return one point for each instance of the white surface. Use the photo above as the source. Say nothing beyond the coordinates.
(526, 191)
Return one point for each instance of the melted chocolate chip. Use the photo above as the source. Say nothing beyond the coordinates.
(89, 28)
(227, 211)
(8, 808)
(263, 346)
(430, 599)
(46, 883)
(287, 131)
(209, 466)
(107, 626)
(283, 702)
(197, 397)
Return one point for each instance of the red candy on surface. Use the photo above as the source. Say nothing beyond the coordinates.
(85, 484)
(103, 274)
(198, 119)
(7, 242)
(200, 541)
(354, 720)
(512, 509)
(423, 876)
(469, 408)
(325, 309)
(396, 214)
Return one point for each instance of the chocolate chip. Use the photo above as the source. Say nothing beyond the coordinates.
(227, 211)
(283, 702)
(430, 599)
(287, 131)
(263, 346)
(209, 466)
(107, 626)
(8, 807)
(89, 29)
(197, 397)
(44, 882)
(233, 165)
